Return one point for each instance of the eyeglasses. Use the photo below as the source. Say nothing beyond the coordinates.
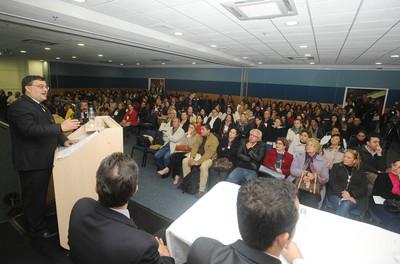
(253, 135)
(41, 86)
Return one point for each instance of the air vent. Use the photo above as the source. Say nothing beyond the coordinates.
(301, 58)
(261, 9)
(38, 42)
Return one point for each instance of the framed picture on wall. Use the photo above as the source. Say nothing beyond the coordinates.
(156, 86)
(365, 96)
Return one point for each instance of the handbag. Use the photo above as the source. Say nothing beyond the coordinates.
(392, 205)
(305, 184)
(222, 164)
(183, 148)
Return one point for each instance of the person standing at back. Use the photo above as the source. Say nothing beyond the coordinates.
(34, 138)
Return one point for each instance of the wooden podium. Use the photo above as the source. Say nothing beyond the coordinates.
(74, 172)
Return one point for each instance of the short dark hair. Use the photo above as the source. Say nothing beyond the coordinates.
(27, 80)
(266, 208)
(116, 179)
(207, 126)
(372, 135)
(307, 132)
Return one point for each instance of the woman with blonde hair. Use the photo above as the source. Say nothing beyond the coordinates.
(311, 172)
(347, 186)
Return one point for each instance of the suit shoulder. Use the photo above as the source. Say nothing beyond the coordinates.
(202, 247)
(84, 203)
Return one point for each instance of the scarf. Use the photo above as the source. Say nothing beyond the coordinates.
(296, 130)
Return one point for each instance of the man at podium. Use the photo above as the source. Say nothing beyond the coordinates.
(34, 139)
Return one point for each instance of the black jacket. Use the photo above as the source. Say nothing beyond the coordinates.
(34, 135)
(98, 234)
(371, 163)
(338, 181)
(224, 152)
(250, 158)
(210, 251)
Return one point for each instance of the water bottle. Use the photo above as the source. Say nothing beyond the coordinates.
(92, 116)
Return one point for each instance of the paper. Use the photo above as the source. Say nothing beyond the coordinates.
(378, 199)
(82, 140)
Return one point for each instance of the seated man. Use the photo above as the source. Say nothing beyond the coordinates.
(102, 231)
(249, 157)
(203, 153)
(373, 161)
(267, 215)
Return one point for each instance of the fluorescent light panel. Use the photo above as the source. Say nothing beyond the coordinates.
(260, 10)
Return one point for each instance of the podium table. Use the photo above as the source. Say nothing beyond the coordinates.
(74, 172)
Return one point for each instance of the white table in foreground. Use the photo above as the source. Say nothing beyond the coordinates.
(322, 237)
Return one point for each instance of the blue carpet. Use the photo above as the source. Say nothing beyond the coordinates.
(158, 194)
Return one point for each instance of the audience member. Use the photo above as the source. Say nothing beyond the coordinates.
(249, 157)
(278, 159)
(347, 185)
(333, 151)
(312, 168)
(202, 154)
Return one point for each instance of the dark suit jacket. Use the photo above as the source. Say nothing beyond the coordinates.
(98, 235)
(210, 251)
(34, 135)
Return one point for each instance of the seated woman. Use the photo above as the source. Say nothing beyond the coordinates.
(278, 159)
(130, 117)
(311, 166)
(347, 185)
(226, 153)
(182, 147)
(387, 185)
(226, 126)
(333, 151)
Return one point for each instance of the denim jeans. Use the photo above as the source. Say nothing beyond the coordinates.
(162, 157)
(342, 207)
(241, 175)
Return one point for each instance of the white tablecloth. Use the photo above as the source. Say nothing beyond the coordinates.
(322, 237)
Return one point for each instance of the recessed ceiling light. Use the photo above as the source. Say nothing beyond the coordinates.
(303, 46)
(178, 34)
(22, 51)
(47, 48)
(121, 64)
(137, 63)
(81, 44)
(378, 63)
(99, 55)
(109, 60)
(42, 60)
(193, 62)
(307, 55)
(213, 46)
(80, 1)
(395, 56)
(74, 57)
(163, 63)
(292, 23)
(245, 58)
(58, 58)
(259, 63)
(312, 63)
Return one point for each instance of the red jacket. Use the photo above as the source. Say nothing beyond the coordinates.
(132, 117)
(272, 155)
